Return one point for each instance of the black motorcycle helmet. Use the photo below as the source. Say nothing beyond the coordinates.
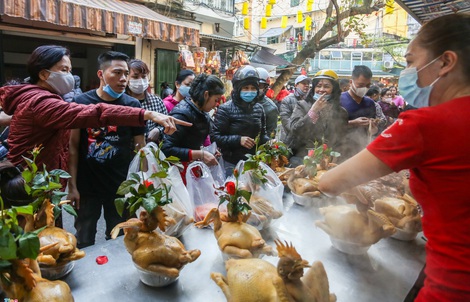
(245, 75)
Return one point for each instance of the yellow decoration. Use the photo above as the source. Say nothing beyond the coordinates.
(264, 22)
(246, 23)
(309, 7)
(271, 2)
(284, 21)
(309, 1)
(300, 17)
(389, 7)
(245, 9)
(268, 10)
(308, 23)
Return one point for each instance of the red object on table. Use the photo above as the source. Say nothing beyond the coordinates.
(100, 260)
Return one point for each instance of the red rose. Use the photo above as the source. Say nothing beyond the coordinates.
(147, 183)
(230, 187)
(311, 152)
(325, 146)
(276, 146)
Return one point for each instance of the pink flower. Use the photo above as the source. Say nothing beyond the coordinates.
(311, 153)
(230, 187)
(325, 146)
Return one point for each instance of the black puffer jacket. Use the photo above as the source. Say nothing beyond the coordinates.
(233, 120)
(187, 138)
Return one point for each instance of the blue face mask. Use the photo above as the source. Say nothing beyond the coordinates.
(184, 90)
(327, 97)
(408, 85)
(111, 92)
(248, 96)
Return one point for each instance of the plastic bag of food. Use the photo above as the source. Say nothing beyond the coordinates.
(218, 171)
(202, 190)
(180, 211)
(266, 198)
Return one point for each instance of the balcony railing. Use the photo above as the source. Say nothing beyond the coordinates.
(226, 6)
(345, 65)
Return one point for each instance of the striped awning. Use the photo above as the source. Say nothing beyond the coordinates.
(109, 16)
(425, 10)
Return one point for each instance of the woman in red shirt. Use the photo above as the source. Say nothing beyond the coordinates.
(433, 143)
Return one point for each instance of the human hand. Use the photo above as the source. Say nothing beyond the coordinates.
(209, 159)
(247, 142)
(360, 122)
(320, 103)
(166, 121)
(74, 197)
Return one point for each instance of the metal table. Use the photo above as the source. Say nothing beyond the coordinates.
(386, 273)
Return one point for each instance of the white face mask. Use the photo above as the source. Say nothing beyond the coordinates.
(138, 86)
(360, 92)
(62, 83)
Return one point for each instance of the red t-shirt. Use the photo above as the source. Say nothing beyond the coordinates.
(434, 143)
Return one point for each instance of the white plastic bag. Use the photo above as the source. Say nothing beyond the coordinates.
(266, 199)
(202, 189)
(180, 209)
(218, 171)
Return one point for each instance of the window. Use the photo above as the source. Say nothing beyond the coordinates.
(336, 54)
(294, 3)
(273, 40)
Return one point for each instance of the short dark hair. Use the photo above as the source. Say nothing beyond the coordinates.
(104, 59)
(44, 57)
(373, 90)
(139, 66)
(361, 70)
(384, 92)
(203, 83)
(335, 94)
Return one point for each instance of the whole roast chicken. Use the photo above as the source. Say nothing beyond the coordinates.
(236, 238)
(151, 250)
(24, 283)
(403, 212)
(346, 223)
(250, 280)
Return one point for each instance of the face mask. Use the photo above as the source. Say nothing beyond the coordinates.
(62, 83)
(408, 85)
(300, 93)
(360, 92)
(138, 86)
(327, 97)
(248, 96)
(184, 90)
(111, 92)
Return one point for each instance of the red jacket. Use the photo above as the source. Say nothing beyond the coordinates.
(42, 117)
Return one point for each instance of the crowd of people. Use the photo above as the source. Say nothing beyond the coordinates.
(93, 134)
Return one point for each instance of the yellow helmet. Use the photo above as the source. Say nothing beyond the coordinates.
(326, 74)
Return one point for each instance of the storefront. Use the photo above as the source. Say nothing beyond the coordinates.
(88, 28)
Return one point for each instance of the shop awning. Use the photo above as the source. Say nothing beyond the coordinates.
(423, 11)
(275, 31)
(262, 56)
(109, 16)
(217, 42)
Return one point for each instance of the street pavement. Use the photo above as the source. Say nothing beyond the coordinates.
(68, 221)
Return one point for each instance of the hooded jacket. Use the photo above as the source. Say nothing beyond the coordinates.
(40, 117)
(233, 120)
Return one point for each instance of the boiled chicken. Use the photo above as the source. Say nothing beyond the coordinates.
(346, 223)
(236, 238)
(151, 250)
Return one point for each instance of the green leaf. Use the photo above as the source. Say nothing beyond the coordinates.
(54, 186)
(28, 246)
(149, 204)
(159, 174)
(245, 194)
(126, 186)
(134, 206)
(135, 176)
(119, 204)
(60, 173)
(27, 210)
(27, 175)
(172, 159)
(141, 189)
(69, 209)
(250, 165)
(7, 245)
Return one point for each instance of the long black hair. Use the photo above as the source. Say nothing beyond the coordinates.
(202, 83)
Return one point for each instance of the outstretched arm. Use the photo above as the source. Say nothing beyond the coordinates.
(359, 169)
(166, 121)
